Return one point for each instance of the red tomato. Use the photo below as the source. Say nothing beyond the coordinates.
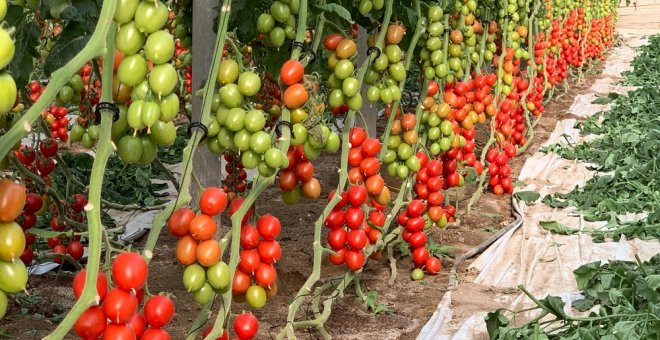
(292, 72)
(295, 96)
(249, 236)
(420, 256)
(158, 311)
(354, 259)
(357, 136)
(155, 334)
(433, 265)
(249, 261)
(269, 251)
(119, 306)
(370, 147)
(119, 332)
(213, 201)
(266, 275)
(357, 239)
(203, 227)
(179, 222)
(246, 326)
(269, 227)
(332, 40)
(357, 195)
(129, 271)
(91, 323)
(76, 250)
(138, 323)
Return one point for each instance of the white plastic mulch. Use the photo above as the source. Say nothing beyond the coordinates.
(530, 255)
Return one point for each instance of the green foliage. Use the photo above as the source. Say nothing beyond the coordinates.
(26, 39)
(623, 297)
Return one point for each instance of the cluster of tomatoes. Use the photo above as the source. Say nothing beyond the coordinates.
(236, 180)
(387, 71)
(510, 119)
(414, 224)
(499, 171)
(63, 245)
(279, 24)
(13, 274)
(429, 183)
(400, 156)
(345, 88)
(259, 253)
(365, 166)
(56, 116)
(297, 178)
(197, 249)
(119, 305)
(291, 75)
(349, 232)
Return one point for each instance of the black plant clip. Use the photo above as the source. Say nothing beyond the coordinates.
(200, 126)
(297, 44)
(278, 128)
(106, 106)
(373, 49)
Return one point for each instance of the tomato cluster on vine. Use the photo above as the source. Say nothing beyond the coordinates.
(117, 314)
(414, 223)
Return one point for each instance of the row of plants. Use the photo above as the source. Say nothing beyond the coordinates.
(490, 65)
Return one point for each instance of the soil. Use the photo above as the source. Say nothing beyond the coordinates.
(410, 303)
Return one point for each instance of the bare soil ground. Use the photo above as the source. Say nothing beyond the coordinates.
(411, 303)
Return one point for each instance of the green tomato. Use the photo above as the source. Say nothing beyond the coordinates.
(150, 114)
(163, 79)
(310, 151)
(413, 163)
(396, 93)
(204, 295)
(213, 128)
(249, 83)
(260, 142)
(129, 149)
(380, 64)
(417, 274)
(365, 7)
(334, 82)
(228, 72)
(77, 132)
(265, 170)
(235, 119)
(163, 133)
(194, 277)
(434, 149)
(65, 94)
(289, 32)
(134, 117)
(434, 121)
(386, 95)
(125, 10)
(350, 86)
(142, 91)
(371, 76)
(94, 132)
(402, 171)
(389, 157)
(394, 142)
(434, 13)
(242, 140)
(133, 69)
(8, 93)
(159, 47)
(291, 197)
(214, 146)
(87, 141)
(373, 93)
(273, 158)
(277, 36)
(129, 39)
(280, 11)
(169, 107)
(434, 132)
(250, 159)
(446, 127)
(336, 98)
(265, 23)
(231, 96)
(151, 16)
(333, 143)
(391, 169)
(344, 69)
(255, 120)
(393, 53)
(149, 150)
(218, 275)
(378, 4)
(13, 276)
(354, 103)
(300, 133)
(404, 151)
(256, 296)
(445, 144)
(75, 82)
(8, 48)
(434, 43)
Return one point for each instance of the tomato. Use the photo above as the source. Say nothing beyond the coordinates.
(118, 331)
(208, 252)
(159, 47)
(393, 53)
(48, 147)
(150, 16)
(354, 217)
(370, 166)
(228, 72)
(179, 222)
(265, 23)
(291, 197)
(129, 40)
(246, 325)
(269, 227)
(295, 96)
(332, 40)
(357, 195)
(433, 265)
(354, 259)
(394, 34)
(269, 251)
(249, 83)
(304, 171)
(344, 69)
(335, 219)
(129, 271)
(277, 36)
(417, 274)
(213, 201)
(280, 11)
(346, 49)
(79, 284)
(203, 227)
(218, 275)
(311, 189)
(292, 72)
(132, 70)
(256, 296)
(155, 334)
(194, 277)
(27, 256)
(91, 323)
(14, 276)
(75, 249)
(138, 323)
(119, 305)
(337, 238)
(163, 79)
(420, 256)
(357, 239)
(12, 241)
(158, 311)
(45, 166)
(8, 48)
(125, 10)
(249, 261)
(9, 90)
(259, 142)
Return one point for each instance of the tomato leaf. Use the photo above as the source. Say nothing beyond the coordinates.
(338, 9)
(72, 40)
(528, 197)
(26, 37)
(557, 228)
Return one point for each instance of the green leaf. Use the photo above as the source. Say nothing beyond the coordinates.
(72, 40)
(555, 305)
(653, 281)
(626, 330)
(557, 228)
(583, 304)
(585, 273)
(337, 9)
(527, 196)
(26, 37)
(43, 233)
(602, 100)
(495, 320)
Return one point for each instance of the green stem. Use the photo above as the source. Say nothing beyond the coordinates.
(105, 148)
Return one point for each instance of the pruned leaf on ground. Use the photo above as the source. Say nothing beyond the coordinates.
(528, 197)
(557, 228)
